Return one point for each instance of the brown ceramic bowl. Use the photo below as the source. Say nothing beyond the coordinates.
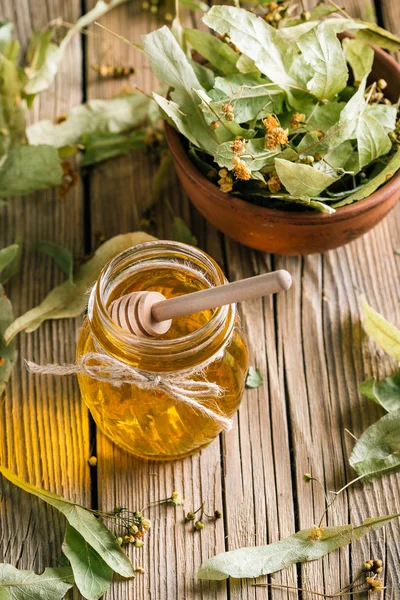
(291, 232)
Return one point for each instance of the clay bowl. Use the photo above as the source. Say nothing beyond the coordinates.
(292, 232)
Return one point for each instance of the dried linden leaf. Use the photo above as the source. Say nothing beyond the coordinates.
(387, 336)
(97, 536)
(386, 392)
(301, 547)
(8, 354)
(254, 378)
(18, 584)
(377, 452)
(92, 575)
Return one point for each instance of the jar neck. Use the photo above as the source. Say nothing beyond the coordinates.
(154, 354)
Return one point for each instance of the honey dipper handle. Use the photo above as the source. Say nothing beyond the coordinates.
(244, 289)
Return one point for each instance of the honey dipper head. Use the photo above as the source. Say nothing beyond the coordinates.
(132, 312)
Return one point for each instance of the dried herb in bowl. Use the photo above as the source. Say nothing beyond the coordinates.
(273, 114)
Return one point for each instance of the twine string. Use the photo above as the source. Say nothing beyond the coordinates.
(180, 387)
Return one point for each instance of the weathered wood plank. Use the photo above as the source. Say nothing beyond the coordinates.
(45, 434)
(172, 552)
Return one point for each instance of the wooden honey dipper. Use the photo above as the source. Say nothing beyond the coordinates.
(149, 314)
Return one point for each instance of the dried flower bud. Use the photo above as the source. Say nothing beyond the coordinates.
(120, 541)
(307, 477)
(138, 543)
(214, 125)
(229, 116)
(382, 84)
(190, 516)
(227, 108)
(134, 529)
(305, 15)
(117, 510)
(176, 498)
(199, 525)
(218, 514)
(140, 570)
(127, 538)
(92, 461)
(309, 159)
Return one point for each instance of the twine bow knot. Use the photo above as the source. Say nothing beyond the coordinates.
(180, 387)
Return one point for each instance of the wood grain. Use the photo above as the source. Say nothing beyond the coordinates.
(308, 343)
(45, 435)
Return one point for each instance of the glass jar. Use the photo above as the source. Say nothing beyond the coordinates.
(207, 346)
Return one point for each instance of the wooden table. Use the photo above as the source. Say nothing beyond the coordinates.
(308, 343)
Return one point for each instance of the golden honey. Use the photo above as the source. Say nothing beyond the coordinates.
(150, 423)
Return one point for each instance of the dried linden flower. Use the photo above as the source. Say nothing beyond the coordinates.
(307, 477)
(270, 122)
(297, 120)
(199, 525)
(238, 146)
(214, 125)
(316, 533)
(276, 137)
(374, 584)
(274, 184)
(92, 461)
(242, 171)
(382, 84)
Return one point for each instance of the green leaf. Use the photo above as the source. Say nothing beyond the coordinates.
(52, 584)
(90, 528)
(40, 78)
(217, 52)
(298, 548)
(102, 146)
(97, 116)
(8, 354)
(69, 299)
(61, 256)
(7, 256)
(272, 53)
(377, 452)
(372, 141)
(254, 378)
(387, 336)
(369, 188)
(386, 392)
(182, 233)
(92, 575)
(171, 66)
(322, 50)
(28, 169)
(360, 57)
(300, 179)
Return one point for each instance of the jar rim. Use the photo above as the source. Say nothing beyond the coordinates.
(146, 253)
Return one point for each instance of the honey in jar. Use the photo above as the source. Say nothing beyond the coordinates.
(206, 346)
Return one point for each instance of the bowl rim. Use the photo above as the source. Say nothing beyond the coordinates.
(343, 213)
